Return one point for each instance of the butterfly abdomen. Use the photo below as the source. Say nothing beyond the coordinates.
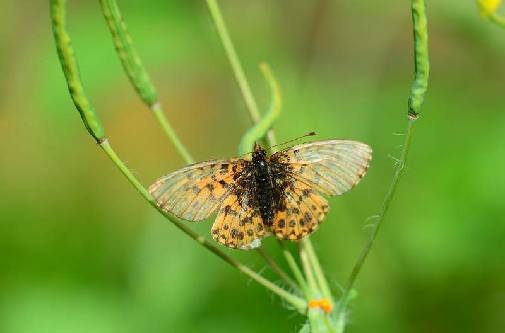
(263, 187)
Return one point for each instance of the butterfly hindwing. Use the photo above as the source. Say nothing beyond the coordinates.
(238, 224)
(332, 167)
(194, 192)
(300, 211)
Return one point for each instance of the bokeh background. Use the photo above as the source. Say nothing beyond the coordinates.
(81, 251)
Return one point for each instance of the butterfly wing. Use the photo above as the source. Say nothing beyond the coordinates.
(300, 211)
(239, 224)
(332, 167)
(194, 192)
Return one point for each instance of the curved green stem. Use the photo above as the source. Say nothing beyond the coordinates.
(92, 122)
(137, 74)
(259, 129)
(294, 268)
(418, 89)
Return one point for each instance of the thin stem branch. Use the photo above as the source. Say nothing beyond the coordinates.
(309, 275)
(92, 122)
(170, 133)
(297, 302)
(229, 49)
(415, 100)
(315, 315)
(137, 74)
(294, 268)
(318, 271)
(278, 270)
(261, 126)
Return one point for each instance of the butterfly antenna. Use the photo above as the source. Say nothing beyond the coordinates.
(298, 138)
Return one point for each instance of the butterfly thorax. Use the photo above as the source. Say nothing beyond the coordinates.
(263, 185)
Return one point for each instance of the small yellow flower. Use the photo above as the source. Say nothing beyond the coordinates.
(488, 7)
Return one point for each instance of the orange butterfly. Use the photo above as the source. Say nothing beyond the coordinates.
(269, 194)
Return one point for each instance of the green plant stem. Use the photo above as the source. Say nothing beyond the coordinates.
(258, 132)
(92, 122)
(415, 100)
(318, 271)
(297, 302)
(278, 270)
(309, 275)
(169, 131)
(266, 122)
(294, 268)
(137, 74)
(242, 82)
(315, 315)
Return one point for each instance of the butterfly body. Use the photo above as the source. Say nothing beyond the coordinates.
(263, 191)
(276, 194)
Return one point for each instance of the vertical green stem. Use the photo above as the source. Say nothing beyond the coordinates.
(318, 271)
(242, 82)
(137, 74)
(416, 97)
(294, 268)
(309, 275)
(315, 315)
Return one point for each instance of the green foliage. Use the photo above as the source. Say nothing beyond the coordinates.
(80, 251)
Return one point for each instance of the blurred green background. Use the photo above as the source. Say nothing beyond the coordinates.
(81, 251)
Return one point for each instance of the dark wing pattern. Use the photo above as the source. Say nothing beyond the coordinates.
(238, 224)
(300, 211)
(194, 192)
(332, 167)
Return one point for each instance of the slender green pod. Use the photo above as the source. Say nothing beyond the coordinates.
(415, 101)
(129, 58)
(70, 68)
(137, 74)
(422, 64)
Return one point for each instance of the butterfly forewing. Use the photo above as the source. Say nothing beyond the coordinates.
(332, 167)
(194, 192)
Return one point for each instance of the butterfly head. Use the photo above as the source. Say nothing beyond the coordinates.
(259, 154)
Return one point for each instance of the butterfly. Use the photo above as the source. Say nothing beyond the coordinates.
(279, 194)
